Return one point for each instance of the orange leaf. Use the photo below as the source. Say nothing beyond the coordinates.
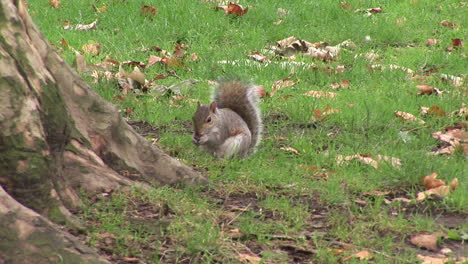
(55, 3)
(148, 11)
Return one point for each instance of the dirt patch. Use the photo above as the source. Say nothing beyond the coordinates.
(144, 128)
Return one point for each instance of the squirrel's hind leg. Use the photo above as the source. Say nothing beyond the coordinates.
(237, 145)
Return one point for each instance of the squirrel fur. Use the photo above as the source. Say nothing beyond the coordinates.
(231, 125)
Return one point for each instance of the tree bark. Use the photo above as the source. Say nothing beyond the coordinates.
(58, 137)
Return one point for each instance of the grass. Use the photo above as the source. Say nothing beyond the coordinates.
(272, 205)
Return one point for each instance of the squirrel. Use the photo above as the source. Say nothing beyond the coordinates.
(231, 125)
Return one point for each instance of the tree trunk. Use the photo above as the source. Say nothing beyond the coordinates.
(58, 137)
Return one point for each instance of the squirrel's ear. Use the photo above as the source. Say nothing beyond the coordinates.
(213, 107)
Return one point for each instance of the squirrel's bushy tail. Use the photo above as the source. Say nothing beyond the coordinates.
(243, 99)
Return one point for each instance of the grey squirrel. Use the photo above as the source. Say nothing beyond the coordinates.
(231, 125)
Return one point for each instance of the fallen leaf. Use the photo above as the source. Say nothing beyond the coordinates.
(369, 160)
(345, 5)
(101, 9)
(257, 56)
(438, 192)
(277, 85)
(290, 149)
(93, 49)
(179, 50)
(361, 255)
(426, 241)
(320, 94)
(86, 27)
(152, 60)
(376, 193)
(430, 181)
(432, 42)
(233, 9)
(260, 91)
(375, 10)
(148, 11)
(55, 3)
(285, 42)
(432, 260)
(427, 89)
(322, 114)
(342, 84)
(457, 43)
(445, 23)
(249, 258)
(454, 184)
(408, 117)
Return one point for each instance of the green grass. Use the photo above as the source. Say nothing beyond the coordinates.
(273, 193)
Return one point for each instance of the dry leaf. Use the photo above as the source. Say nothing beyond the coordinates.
(249, 258)
(426, 241)
(86, 27)
(454, 184)
(408, 117)
(432, 42)
(369, 160)
(54, 3)
(233, 9)
(320, 94)
(289, 149)
(445, 23)
(93, 49)
(277, 85)
(438, 192)
(260, 91)
(342, 84)
(362, 255)
(457, 43)
(256, 56)
(152, 60)
(427, 89)
(430, 181)
(345, 5)
(148, 11)
(321, 114)
(432, 260)
(376, 193)
(285, 42)
(101, 9)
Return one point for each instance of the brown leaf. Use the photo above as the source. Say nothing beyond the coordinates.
(86, 27)
(64, 43)
(430, 181)
(257, 56)
(260, 91)
(179, 50)
(436, 111)
(454, 184)
(55, 3)
(426, 241)
(101, 9)
(432, 42)
(457, 43)
(432, 260)
(438, 192)
(152, 60)
(374, 10)
(427, 89)
(148, 11)
(249, 258)
(289, 149)
(320, 94)
(345, 5)
(233, 9)
(408, 117)
(342, 84)
(361, 255)
(285, 42)
(445, 23)
(93, 49)
(322, 114)
(277, 85)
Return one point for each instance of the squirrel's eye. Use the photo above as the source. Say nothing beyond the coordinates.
(208, 120)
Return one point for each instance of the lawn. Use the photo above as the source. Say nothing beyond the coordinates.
(337, 175)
